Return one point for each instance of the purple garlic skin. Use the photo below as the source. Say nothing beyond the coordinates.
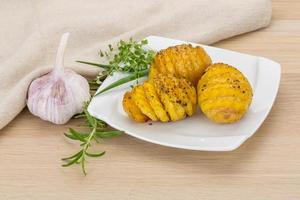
(57, 98)
(60, 94)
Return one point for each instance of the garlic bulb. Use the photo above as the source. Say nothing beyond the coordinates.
(60, 94)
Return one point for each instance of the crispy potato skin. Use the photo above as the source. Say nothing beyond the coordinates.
(154, 101)
(140, 99)
(177, 94)
(224, 93)
(132, 110)
(163, 98)
(181, 61)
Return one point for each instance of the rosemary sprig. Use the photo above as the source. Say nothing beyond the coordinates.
(98, 130)
(128, 57)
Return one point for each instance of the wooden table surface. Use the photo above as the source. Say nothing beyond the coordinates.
(267, 166)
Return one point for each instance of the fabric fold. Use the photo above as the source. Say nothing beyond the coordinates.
(31, 30)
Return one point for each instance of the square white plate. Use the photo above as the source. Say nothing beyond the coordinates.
(196, 132)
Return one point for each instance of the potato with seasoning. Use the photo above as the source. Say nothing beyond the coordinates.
(163, 98)
(181, 61)
(132, 110)
(224, 93)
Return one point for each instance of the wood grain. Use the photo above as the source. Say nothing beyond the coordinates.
(267, 166)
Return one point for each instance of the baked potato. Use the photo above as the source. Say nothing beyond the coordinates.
(181, 61)
(132, 109)
(163, 98)
(224, 93)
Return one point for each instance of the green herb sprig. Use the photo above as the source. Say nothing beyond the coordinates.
(126, 79)
(98, 130)
(130, 57)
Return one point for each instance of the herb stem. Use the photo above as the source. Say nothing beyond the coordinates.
(126, 79)
(86, 146)
(98, 130)
(94, 64)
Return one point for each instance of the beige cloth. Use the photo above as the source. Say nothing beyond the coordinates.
(30, 32)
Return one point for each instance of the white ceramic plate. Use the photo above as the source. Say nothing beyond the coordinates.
(197, 132)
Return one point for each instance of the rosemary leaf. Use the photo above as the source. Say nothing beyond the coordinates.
(70, 136)
(77, 135)
(108, 134)
(73, 156)
(95, 154)
(75, 159)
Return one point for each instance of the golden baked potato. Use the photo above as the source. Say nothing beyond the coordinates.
(164, 98)
(224, 93)
(182, 61)
(132, 110)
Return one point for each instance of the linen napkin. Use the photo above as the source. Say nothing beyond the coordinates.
(30, 33)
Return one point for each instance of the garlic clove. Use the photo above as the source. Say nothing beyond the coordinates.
(60, 94)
